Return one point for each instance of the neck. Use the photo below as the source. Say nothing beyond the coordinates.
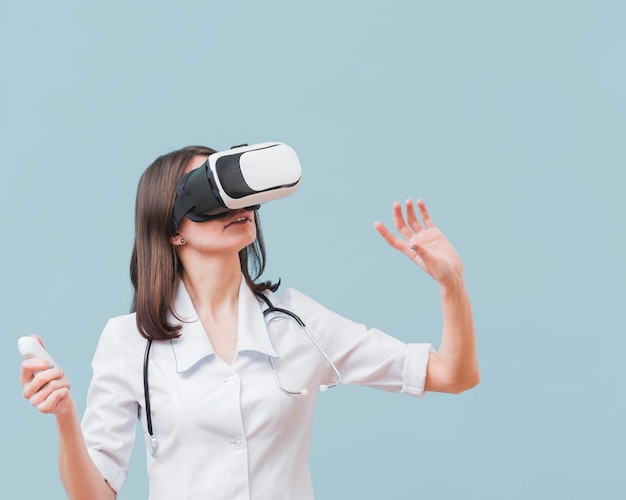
(214, 284)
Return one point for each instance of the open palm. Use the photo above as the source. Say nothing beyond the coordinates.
(423, 242)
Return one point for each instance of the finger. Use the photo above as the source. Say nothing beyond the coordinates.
(51, 403)
(38, 340)
(411, 251)
(49, 388)
(391, 239)
(411, 217)
(48, 391)
(30, 367)
(414, 253)
(428, 222)
(398, 218)
(39, 380)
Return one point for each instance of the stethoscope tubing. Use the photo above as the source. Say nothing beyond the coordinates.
(149, 434)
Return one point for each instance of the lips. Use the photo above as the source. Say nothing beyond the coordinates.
(241, 219)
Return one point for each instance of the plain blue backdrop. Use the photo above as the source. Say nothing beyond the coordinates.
(508, 118)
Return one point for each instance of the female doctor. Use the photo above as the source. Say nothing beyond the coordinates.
(232, 390)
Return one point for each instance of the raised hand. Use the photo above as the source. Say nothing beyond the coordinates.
(423, 243)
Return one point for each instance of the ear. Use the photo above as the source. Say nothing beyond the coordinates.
(177, 240)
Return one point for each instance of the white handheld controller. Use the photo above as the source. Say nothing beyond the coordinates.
(30, 348)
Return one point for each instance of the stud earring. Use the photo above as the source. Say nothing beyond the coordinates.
(182, 240)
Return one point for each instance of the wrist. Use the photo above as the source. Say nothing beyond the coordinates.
(67, 416)
(454, 284)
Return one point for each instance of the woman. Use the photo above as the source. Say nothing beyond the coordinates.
(232, 391)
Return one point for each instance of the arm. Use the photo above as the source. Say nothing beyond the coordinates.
(49, 391)
(454, 368)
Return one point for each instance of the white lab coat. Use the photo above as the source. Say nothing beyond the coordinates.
(227, 431)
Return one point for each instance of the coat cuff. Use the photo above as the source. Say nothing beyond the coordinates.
(415, 365)
(113, 474)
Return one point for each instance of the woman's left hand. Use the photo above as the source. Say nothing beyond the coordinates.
(423, 243)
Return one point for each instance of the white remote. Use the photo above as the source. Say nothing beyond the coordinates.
(30, 348)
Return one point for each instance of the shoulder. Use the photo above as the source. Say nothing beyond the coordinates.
(123, 321)
(125, 324)
(308, 308)
(293, 298)
(120, 334)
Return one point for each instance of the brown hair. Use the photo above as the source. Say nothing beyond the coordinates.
(154, 265)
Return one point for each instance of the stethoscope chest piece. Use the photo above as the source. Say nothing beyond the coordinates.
(151, 443)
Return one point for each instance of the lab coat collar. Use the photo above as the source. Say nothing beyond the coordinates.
(194, 345)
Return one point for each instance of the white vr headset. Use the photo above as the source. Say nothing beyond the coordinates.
(241, 177)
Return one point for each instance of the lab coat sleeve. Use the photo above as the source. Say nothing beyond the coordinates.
(109, 421)
(363, 356)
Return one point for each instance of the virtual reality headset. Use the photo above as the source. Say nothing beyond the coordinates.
(241, 177)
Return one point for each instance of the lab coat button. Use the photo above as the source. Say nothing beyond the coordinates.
(233, 379)
(238, 443)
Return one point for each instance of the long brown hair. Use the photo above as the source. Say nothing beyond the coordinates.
(154, 265)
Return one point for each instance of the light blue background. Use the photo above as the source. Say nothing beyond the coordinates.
(508, 118)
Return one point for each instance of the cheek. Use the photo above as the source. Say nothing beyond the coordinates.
(183, 228)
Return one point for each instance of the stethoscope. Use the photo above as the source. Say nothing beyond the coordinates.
(151, 441)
